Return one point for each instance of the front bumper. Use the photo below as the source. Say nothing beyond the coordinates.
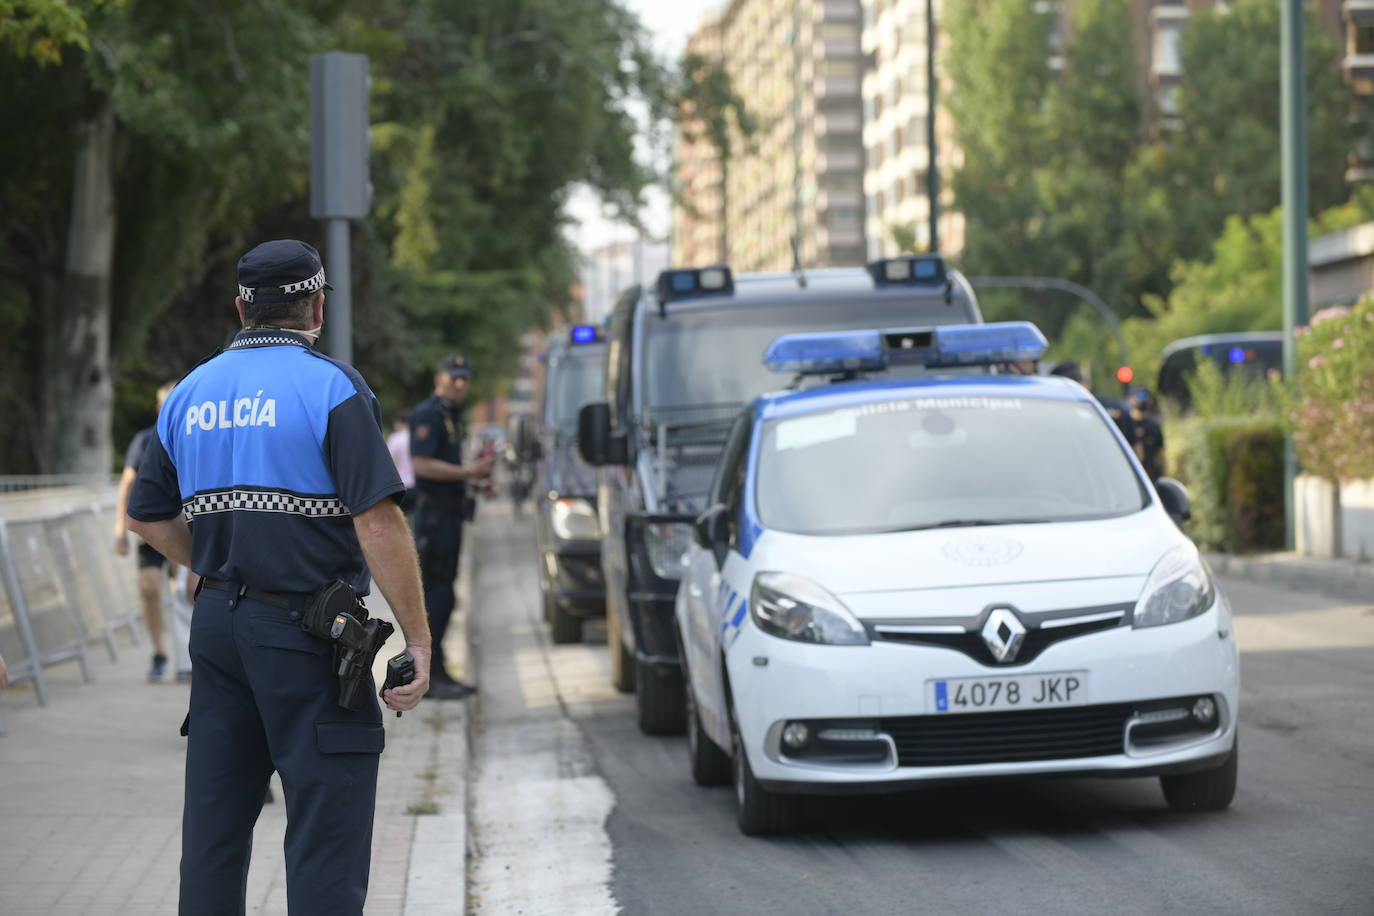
(572, 577)
(881, 688)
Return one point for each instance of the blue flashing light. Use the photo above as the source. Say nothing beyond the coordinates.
(1237, 355)
(583, 333)
(833, 351)
(937, 347)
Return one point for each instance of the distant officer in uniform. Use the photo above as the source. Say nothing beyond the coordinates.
(436, 456)
(274, 453)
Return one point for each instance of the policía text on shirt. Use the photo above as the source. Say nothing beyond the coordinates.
(254, 411)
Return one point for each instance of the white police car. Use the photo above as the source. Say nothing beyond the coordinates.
(948, 577)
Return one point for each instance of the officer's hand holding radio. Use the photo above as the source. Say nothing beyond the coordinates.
(407, 696)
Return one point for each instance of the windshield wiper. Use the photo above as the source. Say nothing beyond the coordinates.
(969, 523)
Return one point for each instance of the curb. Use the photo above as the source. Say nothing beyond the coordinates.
(1344, 579)
(436, 876)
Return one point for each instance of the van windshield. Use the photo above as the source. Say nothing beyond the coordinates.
(702, 360)
(574, 381)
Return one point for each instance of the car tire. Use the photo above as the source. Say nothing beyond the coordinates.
(758, 811)
(563, 626)
(659, 697)
(622, 662)
(710, 765)
(1205, 790)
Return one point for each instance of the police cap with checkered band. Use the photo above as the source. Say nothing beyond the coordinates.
(280, 271)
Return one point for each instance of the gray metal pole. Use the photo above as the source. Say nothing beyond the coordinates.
(933, 165)
(797, 89)
(338, 302)
(1293, 78)
(1064, 286)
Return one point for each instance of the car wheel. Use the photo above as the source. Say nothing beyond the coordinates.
(758, 811)
(1206, 790)
(659, 696)
(565, 627)
(622, 663)
(710, 765)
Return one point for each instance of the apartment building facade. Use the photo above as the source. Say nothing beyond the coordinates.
(896, 101)
(798, 181)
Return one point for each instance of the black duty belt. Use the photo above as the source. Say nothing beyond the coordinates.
(276, 599)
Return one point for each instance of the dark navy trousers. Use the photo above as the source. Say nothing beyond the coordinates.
(265, 698)
(438, 539)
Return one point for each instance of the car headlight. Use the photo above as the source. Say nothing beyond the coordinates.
(574, 520)
(667, 544)
(793, 607)
(1179, 587)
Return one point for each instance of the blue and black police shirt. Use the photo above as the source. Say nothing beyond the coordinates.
(435, 431)
(269, 448)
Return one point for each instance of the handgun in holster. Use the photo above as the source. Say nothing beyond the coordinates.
(337, 615)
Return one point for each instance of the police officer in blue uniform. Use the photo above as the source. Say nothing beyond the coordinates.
(436, 454)
(269, 477)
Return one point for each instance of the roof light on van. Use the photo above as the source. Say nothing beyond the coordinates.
(917, 269)
(938, 347)
(583, 333)
(684, 283)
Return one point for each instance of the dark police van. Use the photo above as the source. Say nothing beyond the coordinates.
(682, 360)
(567, 532)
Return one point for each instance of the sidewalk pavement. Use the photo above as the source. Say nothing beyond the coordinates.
(91, 793)
(1343, 578)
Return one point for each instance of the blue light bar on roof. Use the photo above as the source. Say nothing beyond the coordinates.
(937, 347)
(583, 333)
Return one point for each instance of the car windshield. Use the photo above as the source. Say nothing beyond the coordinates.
(715, 359)
(576, 380)
(929, 462)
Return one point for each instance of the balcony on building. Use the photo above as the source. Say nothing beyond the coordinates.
(1359, 59)
(1359, 12)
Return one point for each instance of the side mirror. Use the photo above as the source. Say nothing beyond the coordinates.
(709, 526)
(595, 442)
(1174, 497)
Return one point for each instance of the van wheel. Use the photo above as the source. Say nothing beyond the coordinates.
(622, 663)
(758, 811)
(710, 765)
(565, 627)
(660, 698)
(1207, 790)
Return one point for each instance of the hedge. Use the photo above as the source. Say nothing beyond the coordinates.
(1233, 468)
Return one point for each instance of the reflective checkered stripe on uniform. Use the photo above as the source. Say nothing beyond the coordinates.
(243, 499)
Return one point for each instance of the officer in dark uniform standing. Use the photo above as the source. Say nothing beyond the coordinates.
(273, 453)
(436, 455)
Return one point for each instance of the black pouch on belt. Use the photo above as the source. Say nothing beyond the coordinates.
(327, 602)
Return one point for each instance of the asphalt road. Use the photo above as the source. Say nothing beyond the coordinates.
(576, 812)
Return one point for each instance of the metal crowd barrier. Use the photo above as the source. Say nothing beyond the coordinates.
(63, 588)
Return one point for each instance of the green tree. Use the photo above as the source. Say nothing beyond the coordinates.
(192, 121)
(707, 105)
(998, 64)
(1222, 159)
(1239, 287)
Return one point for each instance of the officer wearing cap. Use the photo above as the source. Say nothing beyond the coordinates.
(436, 456)
(269, 477)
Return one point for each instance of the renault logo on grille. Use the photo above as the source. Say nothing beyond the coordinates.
(1003, 634)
